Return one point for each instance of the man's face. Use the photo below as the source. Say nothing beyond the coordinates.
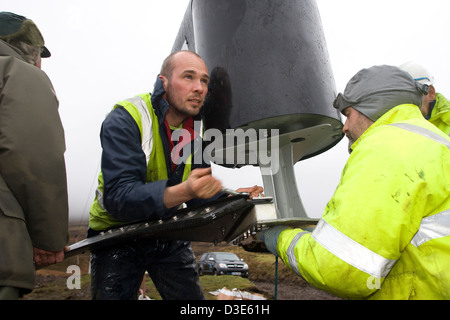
(427, 100)
(187, 88)
(355, 125)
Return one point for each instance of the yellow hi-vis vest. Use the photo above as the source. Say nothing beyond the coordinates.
(385, 233)
(141, 109)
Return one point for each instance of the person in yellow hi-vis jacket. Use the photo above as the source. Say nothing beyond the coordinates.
(385, 234)
(435, 107)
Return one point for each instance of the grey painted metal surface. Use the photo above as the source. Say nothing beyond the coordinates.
(270, 69)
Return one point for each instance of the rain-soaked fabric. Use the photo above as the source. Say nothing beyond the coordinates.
(118, 271)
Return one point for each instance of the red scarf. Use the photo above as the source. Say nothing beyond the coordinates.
(184, 140)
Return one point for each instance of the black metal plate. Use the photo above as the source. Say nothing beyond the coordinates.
(218, 221)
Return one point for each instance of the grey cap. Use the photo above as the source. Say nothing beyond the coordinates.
(376, 90)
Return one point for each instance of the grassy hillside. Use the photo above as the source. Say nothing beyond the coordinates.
(51, 281)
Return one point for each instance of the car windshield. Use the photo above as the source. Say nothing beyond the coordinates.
(226, 256)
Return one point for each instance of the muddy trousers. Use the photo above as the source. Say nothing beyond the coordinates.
(117, 272)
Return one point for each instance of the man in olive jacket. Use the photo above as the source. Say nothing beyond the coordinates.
(33, 186)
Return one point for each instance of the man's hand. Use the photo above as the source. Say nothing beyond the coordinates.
(270, 237)
(199, 185)
(254, 192)
(202, 185)
(44, 258)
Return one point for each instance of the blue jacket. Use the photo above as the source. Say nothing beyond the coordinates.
(126, 195)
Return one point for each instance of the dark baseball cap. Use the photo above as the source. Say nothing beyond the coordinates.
(16, 27)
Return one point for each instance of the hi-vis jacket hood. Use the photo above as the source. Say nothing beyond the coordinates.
(385, 234)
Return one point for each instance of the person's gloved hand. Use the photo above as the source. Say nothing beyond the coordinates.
(270, 238)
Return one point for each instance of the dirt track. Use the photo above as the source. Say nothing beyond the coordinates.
(51, 285)
(57, 279)
(51, 282)
(294, 292)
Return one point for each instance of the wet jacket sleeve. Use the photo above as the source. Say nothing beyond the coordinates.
(127, 196)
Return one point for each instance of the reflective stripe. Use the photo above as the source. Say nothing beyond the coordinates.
(423, 132)
(99, 195)
(438, 225)
(351, 252)
(291, 254)
(433, 227)
(147, 125)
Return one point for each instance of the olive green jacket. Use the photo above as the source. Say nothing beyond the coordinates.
(33, 185)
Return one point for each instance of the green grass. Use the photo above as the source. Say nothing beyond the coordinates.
(51, 283)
